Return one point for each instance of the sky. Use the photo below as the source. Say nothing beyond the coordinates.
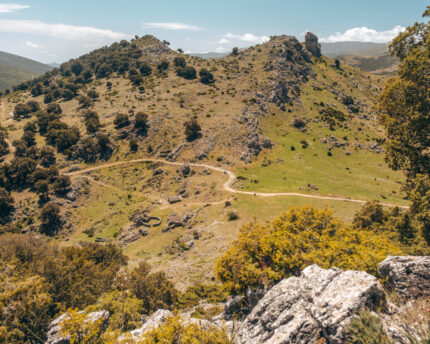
(57, 30)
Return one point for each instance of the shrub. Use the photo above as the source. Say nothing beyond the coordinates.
(232, 215)
(6, 203)
(163, 66)
(84, 101)
(141, 121)
(121, 120)
(186, 72)
(21, 111)
(93, 94)
(175, 331)
(154, 289)
(133, 145)
(145, 69)
(264, 254)
(136, 80)
(179, 61)
(368, 328)
(54, 108)
(192, 129)
(206, 77)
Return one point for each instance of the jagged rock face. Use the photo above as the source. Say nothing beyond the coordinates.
(408, 275)
(312, 45)
(290, 64)
(316, 305)
(54, 335)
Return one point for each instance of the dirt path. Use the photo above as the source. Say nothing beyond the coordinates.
(227, 184)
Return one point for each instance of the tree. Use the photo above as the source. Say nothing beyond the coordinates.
(61, 185)
(206, 77)
(4, 146)
(192, 129)
(405, 113)
(235, 51)
(36, 90)
(121, 120)
(20, 170)
(33, 106)
(6, 203)
(51, 219)
(42, 189)
(76, 68)
(47, 156)
(264, 254)
(21, 111)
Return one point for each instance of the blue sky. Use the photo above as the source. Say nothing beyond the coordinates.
(57, 30)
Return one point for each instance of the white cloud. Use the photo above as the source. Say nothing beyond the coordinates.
(61, 31)
(223, 41)
(364, 34)
(220, 49)
(31, 45)
(8, 8)
(247, 37)
(171, 26)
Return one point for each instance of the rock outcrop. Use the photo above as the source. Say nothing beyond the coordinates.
(153, 322)
(54, 335)
(312, 45)
(315, 306)
(409, 276)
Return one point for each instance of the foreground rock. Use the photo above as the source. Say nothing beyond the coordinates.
(409, 276)
(315, 306)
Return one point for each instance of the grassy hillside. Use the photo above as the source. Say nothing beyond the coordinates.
(278, 118)
(15, 69)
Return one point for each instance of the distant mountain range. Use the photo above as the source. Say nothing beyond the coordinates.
(15, 69)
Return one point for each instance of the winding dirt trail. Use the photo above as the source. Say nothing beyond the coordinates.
(227, 185)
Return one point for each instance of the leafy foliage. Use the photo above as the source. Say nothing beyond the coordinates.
(405, 107)
(263, 254)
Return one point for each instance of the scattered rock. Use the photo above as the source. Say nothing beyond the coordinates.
(174, 199)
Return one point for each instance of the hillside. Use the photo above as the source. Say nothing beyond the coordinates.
(15, 69)
(353, 48)
(279, 127)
